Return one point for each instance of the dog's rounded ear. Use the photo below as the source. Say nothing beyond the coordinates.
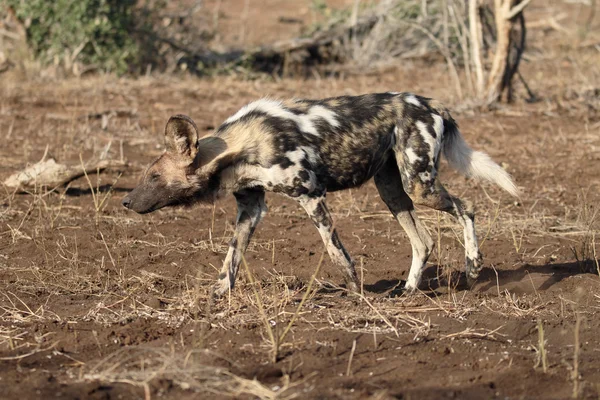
(181, 136)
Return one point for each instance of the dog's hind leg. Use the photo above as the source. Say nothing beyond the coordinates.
(417, 155)
(438, 198)
(319, 214)
(389, 185)
(251, 209)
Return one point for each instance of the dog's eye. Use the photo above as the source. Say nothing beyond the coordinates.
(154, 176)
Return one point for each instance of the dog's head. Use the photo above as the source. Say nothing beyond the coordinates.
(182, 174)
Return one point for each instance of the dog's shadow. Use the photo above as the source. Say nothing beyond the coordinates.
(393, 287)
(527, 277)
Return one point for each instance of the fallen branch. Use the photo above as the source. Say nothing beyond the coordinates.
(51, 174)
(31, 353)
(470, 333)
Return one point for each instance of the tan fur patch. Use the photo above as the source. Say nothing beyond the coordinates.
(333, 103)
(439, 107)
(250, 138)
(171, 168)
(398, 106)
(297, 104)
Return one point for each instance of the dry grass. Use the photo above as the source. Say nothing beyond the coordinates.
(541, 349)
(586, 226)
(189, 371)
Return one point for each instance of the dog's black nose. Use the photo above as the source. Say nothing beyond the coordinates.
(126, 202)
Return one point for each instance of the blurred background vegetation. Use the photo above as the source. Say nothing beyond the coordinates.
(95, 32)
(79, 36)
(129, 36)
(480, 41)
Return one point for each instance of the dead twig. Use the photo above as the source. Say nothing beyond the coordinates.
(470, 333)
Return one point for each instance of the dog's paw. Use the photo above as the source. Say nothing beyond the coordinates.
(473, 268)
(352, 287)
(221, 288)
(402, 289)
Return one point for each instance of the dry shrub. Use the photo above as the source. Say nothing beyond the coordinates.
(487, 39)
(392, 36)
(15, 53)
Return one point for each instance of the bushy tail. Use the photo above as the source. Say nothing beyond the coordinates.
(473, 163)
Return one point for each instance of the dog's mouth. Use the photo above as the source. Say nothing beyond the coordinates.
(149, 210)
(159, 205)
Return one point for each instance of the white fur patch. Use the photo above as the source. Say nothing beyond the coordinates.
(470, 239)
(275, 175)
(310, 153)
(296, 156)
(419, 257)
(425, 176)
(267, 106)
(305, 124)
(411, 156)
(412, 100)
(433, 142)
(438, 125)
(275, 108)
(325, 113)
(477, 164)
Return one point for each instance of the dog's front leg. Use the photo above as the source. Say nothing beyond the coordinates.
(319, 214)
(251, 208)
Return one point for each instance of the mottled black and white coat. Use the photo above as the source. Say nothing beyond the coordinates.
(305, 148)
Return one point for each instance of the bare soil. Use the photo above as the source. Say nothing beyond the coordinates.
(97, 302)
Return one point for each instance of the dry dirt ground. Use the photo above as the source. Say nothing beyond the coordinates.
(97, 302)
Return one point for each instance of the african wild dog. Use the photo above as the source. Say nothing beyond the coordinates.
(306, 148)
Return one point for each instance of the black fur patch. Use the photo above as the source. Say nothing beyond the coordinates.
(244, 218)
(283, 162)
(321, 216)
(304, 175)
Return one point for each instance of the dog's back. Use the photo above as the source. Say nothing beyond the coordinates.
(344, 140)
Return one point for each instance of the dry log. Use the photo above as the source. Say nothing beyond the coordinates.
(50, 174)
